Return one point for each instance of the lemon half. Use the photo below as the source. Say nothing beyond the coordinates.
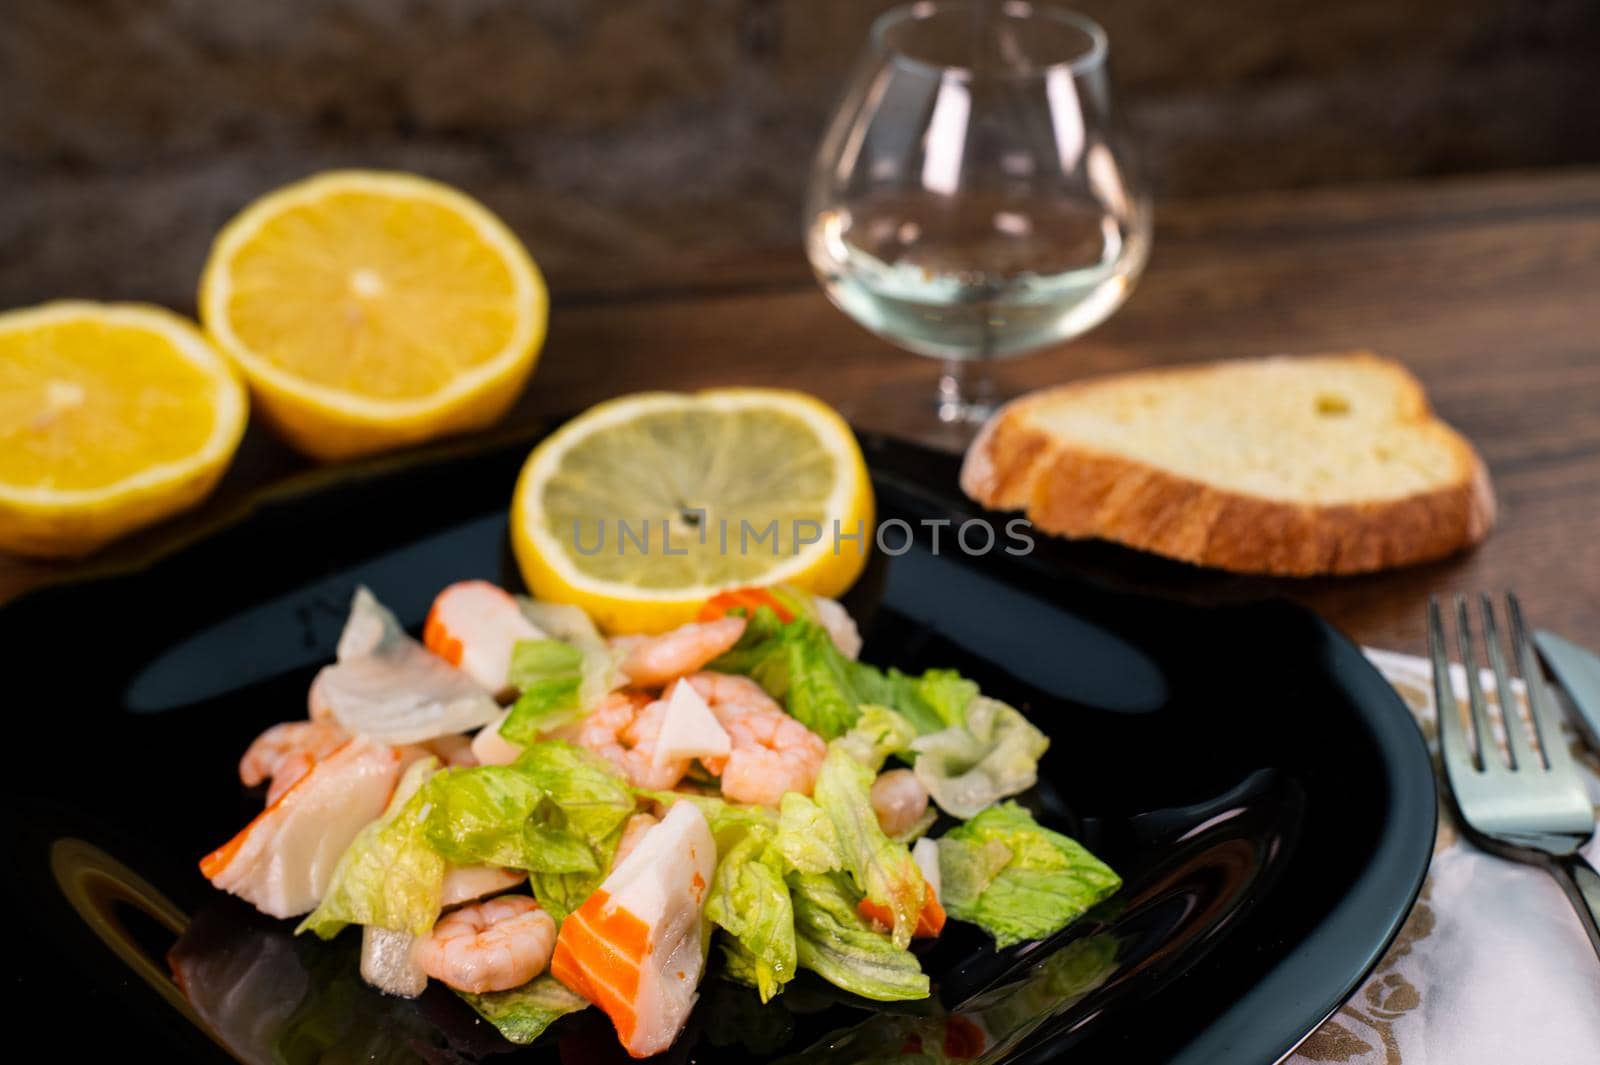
(644, 506)
(112, 416)
(371, 310)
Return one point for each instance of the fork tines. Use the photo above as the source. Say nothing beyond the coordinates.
(1482, 752)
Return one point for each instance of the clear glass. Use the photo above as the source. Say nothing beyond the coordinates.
(973, 198)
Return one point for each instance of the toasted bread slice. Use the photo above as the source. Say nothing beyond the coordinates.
(1294, 465)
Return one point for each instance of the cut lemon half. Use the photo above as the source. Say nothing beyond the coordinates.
(644, 506)
(372, 310)
(112, 416)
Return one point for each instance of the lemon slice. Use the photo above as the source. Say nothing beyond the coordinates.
(644, 506)
(371, 310)
(112, 416)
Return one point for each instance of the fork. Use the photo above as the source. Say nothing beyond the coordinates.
(1528, 805)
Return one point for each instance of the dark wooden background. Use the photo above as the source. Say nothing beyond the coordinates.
(669, 139)
(1327, 178)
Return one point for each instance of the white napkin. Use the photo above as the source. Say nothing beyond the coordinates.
(1492, 967)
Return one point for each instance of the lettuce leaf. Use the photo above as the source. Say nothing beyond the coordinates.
(750, 901)
(561, 893)
(499, 815)
(836, 943)
(798, 664)
(1049, 880)
(938, 699)
(558, 679)
(593, 797)
(807, 840)
(967, 767)
(882, 869)
(877, 733)
(558, 683)
(748, 898)
(523, 1013)
(728, 821)
(389, 876)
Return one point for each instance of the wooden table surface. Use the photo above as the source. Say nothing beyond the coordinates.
(1488, 288)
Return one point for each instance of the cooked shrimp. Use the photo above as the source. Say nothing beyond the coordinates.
(658, 660)
(772, 752)
(899, 800)
(489, 946)
(285, 753)
(452, 749)
(839, 625)
(624, 728)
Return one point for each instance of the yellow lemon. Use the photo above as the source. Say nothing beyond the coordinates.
(372, 310)
(112, 416)
(644, 506)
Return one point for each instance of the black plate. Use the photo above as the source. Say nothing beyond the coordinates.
(1264, 793)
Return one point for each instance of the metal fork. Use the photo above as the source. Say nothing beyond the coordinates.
(1529, 804)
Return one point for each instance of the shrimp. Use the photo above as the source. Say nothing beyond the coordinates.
(285, 753)
(494, 945)
(624, 728)
(658, 660)
(772, 752)
(453, 749)
(899, 799)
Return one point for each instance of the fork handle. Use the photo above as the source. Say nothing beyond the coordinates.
(1582, 885)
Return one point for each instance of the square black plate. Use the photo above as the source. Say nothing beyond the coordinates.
(1265, 795)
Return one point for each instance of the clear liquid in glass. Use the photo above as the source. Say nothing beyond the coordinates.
(975, 277)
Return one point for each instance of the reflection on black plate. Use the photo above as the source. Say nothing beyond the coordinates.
(1263, 793)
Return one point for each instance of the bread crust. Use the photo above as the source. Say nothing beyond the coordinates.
(1077, 492)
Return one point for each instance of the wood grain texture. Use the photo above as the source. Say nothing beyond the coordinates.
(665, 139)
(1485, 288)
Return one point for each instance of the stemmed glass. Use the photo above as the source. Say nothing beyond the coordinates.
(973, 197)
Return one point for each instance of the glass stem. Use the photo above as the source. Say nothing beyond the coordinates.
(966, 392)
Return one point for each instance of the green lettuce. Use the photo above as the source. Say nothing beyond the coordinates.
(807, 840)
(558, 679)
(834, 941)
(729, 822)
(500, 815)
(594, 798)
(798, 664)
(938, 699)
(523, 1013)
(882, 869)
(588, 801)
(389, 876)
(748, 898)
(561, 893)
(877, 733)
(967, 767)
(750, 901)
(1047, 882)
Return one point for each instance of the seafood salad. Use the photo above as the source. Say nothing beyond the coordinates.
(546, 819)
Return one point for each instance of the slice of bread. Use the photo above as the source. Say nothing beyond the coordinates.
(1294, 465)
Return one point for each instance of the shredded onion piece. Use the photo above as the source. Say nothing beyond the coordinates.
(388, 686)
